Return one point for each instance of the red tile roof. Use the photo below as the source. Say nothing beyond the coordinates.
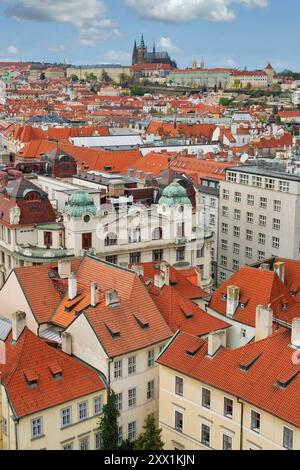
(260, 288)
(31, 357)
(257, 386)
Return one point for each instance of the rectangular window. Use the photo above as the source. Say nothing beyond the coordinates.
(236, 232)
(134, 258)
(225, 194)
(225, 211)
(248, 252)
(235, 264)
(84, 443)
(250, 217)
(224, 245)
(236, 248)
(150, 360)
(261, 238)
(276, 224)
(224, 228)
(178, 421)
(237, 197)
(48, 241)
(257, 181)
(228, 408)
(205, 435)
(231, 177)
(98, 406)
(277, 206)
(82, 410)
(275, 242)
(179, 386)
(119, 401)
(131, 365)
(284, 186)
(150, 390)
(262, 220)
(212, 219)
(224, 260)
(111, 259)
(120, 435)
(118, 369)
(132, 431)
(68, 446)
(255, 421)
(269, 183)
(244, 179)
(4, 426)
(131, 397)
(263, 203)
(66, 418)
(36, 428)
(288, 438)
(97, 437)
(180, 254)
(261, 255)
(249, 235)
(227, 442)
(157, 255)
(250, 200)
(206, 398)
(237, 214)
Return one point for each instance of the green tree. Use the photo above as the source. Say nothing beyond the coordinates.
(137, 91)
(108, 425)
(74, 78)
(105, 78)
(150, 439)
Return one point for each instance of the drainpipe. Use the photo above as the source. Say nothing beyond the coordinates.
(242, 422)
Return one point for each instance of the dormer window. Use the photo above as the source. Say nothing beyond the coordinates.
(31, 378)
(33, 196)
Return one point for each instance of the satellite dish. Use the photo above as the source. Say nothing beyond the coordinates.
(244, 157)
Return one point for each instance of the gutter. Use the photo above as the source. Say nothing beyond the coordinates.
(242, 422)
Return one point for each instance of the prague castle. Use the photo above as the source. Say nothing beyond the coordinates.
(142, 56)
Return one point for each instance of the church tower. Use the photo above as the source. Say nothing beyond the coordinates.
(202, 65)
(194, 63)
(135, 54)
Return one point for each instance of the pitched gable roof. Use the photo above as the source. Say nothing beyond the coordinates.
(35, 360)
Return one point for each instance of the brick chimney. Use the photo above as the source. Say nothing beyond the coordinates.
(264, 322)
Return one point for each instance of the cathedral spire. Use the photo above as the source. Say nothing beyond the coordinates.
(202, 65)
(154, 48)
(194, 63)
(142, 42)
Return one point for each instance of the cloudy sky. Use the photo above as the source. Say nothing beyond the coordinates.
(226, 32)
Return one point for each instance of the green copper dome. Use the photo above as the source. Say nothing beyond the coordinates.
(80, 203)
(175, 195)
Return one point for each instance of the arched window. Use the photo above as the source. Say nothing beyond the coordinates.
(111, 240)
(33, 196)
(157, 233)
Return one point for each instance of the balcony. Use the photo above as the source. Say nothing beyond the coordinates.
(180, 241)
(42, 254)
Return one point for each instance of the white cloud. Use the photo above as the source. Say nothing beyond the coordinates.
(89, 17)
(181, 11)
(114, 57)
(13, 50)
(165, 44)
